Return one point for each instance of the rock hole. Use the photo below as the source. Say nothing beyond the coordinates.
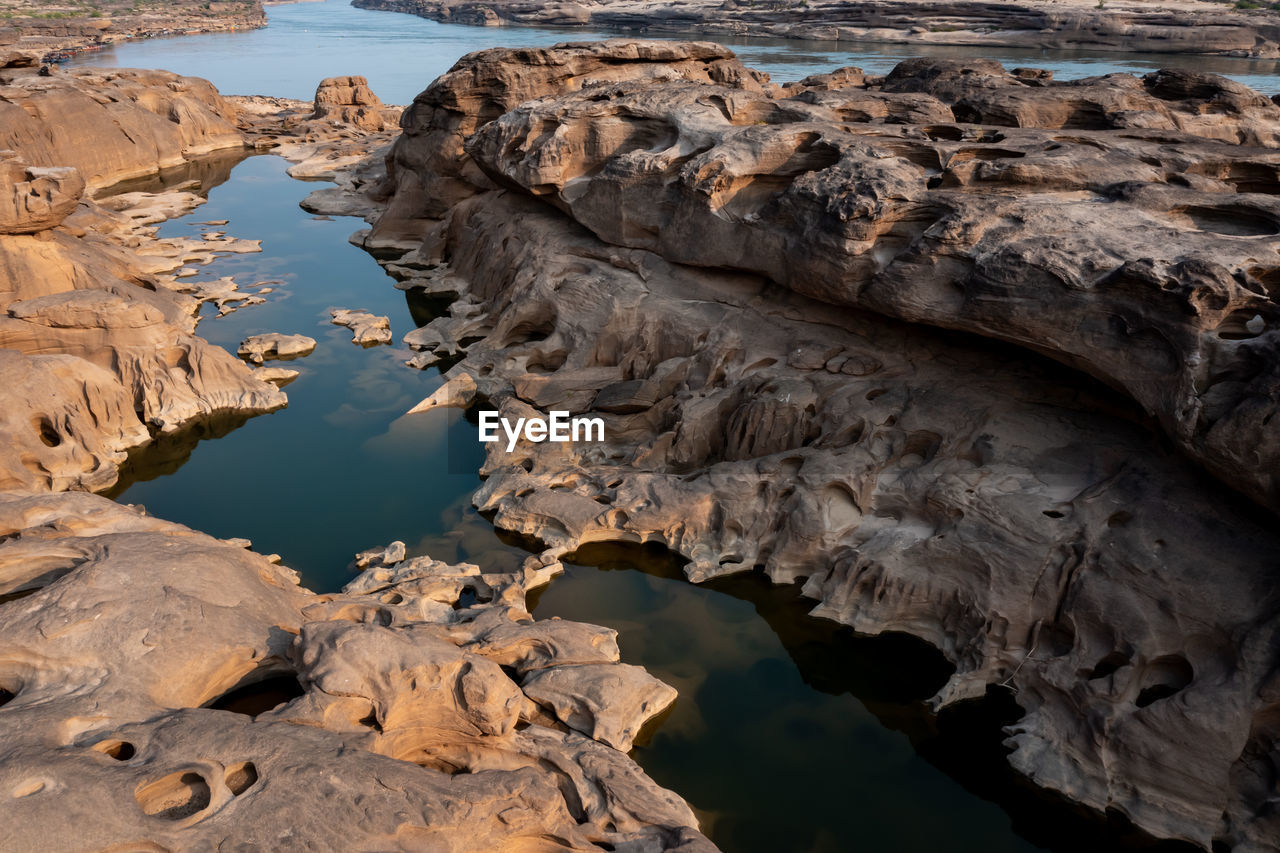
(6, 696)
(878, 392)
(120, 750)
(48, 435)
(1051, 513)
(1119, 519)
(370, 720)
(1162, 678)
(240, 777)
(1241, 325)
(466, 598)
(943, 132)
(1233, 221)
(175, 796)
(259, 697)
(1108, 665)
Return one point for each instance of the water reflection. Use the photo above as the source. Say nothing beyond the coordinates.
(205, 173)
(793, 733)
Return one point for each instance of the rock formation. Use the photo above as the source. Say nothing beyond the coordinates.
(782, 301)
(43, 27)
(162, 689)
(366, 329)
(349, 100)
(96, 354)
(1183, 26)
(127, 122)
(187, 693)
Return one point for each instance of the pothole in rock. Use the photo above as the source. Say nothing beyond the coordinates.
(120, 750)
(1229, 221)
(1162, 678)
(174, 797)
(260, 696)
(241, 777)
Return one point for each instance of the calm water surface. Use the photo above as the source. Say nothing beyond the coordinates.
(790, 733)
(401, 54)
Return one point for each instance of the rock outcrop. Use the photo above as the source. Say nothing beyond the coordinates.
(349, 100)
(189, 694)
(693, 261)
(98, 355)
(128, 122)
(1186, 26)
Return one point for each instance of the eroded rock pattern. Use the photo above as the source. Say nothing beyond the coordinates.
(392, 729)
(688, 260)
(98, 354)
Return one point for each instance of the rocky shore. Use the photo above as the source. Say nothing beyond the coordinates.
(815, 318)
(42, 29)
(1183, 26)
(162, 689)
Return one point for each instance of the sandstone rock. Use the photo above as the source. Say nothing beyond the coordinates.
(130, 123)
(1168, 27)
(366, 329)
(348, 100)
(1012, 513)
(257, 348)
(35, 199)
(277, 376)
(145, 659)
(608, 702)
(1025, 233)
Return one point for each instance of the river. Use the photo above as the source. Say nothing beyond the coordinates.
(790, 733)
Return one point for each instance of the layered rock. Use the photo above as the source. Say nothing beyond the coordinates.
(1094, 221)
(127, 122)
(188, 694)
(349, 100)
(690, 260)
(1177, 27)
(98, 355)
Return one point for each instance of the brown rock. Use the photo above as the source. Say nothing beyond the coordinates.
(35, 198)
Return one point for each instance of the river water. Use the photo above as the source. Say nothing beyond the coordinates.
(401, 54)
(790, 733)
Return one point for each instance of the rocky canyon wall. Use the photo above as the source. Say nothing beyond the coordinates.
(812, 318)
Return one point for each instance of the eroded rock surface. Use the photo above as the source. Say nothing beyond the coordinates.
(690, 259)
(366, 329)
(240, 697)
(257, 348)
(98, 352)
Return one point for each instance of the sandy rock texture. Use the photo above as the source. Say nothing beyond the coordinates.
(348, 100)
(98, 354)
(1181, 26)
(44, 26)
(1123, 226)
(127, 122)
(366, 329)
(919, 472)
(244, 712)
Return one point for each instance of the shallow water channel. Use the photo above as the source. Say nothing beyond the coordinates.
(790, 733)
